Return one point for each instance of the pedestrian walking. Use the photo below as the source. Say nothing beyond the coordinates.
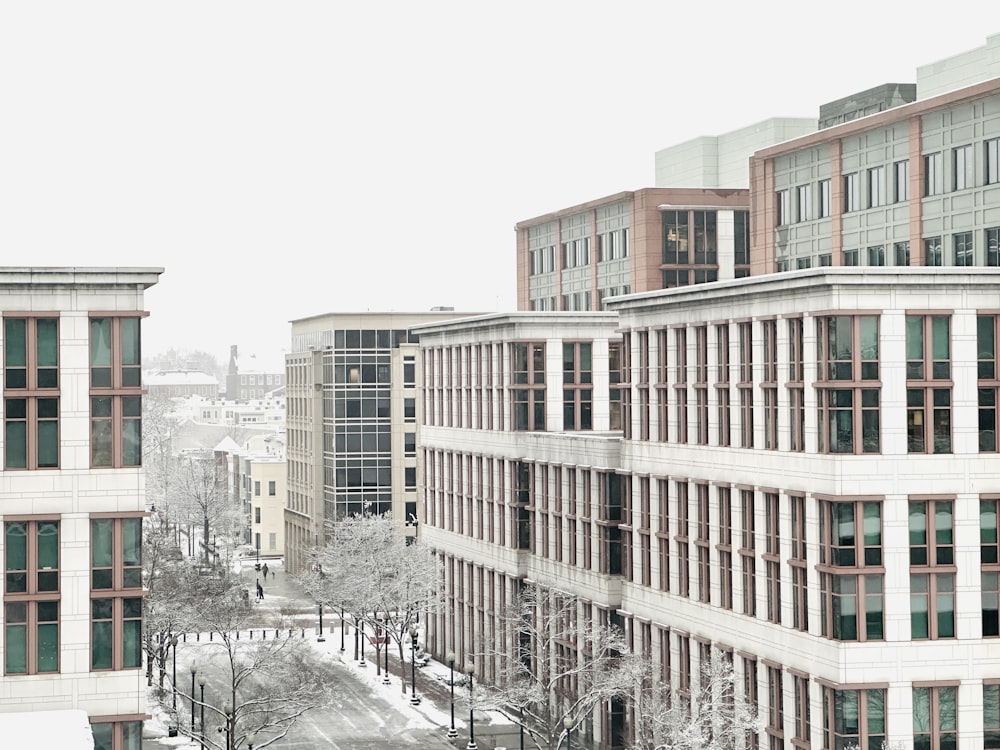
(260, 592)
(265, 571)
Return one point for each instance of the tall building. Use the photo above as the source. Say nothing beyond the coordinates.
(806, 477)
(352, 422)
(654, 238)
(915, 185)
(72, 500)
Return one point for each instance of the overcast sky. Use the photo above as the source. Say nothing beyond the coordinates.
(286, 159)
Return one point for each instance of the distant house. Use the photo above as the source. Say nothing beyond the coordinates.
(249, 378)
(170, 383)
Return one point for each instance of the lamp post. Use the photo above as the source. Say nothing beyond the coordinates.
(414, 700)
(343, 627)
(201, 684)
(452, 733)
(385, 648)
(470, 669)
(173, 645)
(227, 709)
(362, 662)
(320, 638)
(251, 740)
(194, 671)
(568, 723)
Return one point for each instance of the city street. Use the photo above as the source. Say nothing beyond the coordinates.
(366, 714)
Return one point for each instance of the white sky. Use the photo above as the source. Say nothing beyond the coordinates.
(286, 159)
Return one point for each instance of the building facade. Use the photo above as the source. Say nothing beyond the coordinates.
(806, 480)
(655, 238)
(249, 378)
(353, 412)
(72, 499)
(916, 185)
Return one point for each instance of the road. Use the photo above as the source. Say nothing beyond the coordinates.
(361, 719)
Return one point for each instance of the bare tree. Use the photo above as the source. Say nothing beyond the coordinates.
(713, 715)
(200, 487)
(368, 570)
(167, 578)
(265, 683)
(554, 667)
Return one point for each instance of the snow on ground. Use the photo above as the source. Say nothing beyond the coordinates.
(282, 596)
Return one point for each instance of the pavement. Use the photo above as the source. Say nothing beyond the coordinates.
(433, 714)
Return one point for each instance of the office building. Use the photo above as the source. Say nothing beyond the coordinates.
(352, 422)
(72, 501)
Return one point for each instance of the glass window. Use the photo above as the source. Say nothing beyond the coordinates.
(876, 187)
(852, 192)
(901, 171)
(116, 392)
(933, 174)
(963, 170)
(824, 198)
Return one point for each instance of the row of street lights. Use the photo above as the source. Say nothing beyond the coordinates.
(227, 708)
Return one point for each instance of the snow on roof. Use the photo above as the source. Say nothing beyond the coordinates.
(66, 730)
(179, 377)
(226, 445)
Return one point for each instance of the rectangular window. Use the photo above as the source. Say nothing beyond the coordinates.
(852, 192)
(933, 254)
(991, 715)
(991, 151)
(928, 384)
(876, 255)
(935, 718)
(724, 546)
(31, 393)
(852, 257)
(722, 384)
(961, 243)
(783, 208)
(824, 198)
(31, 597)
(119, 735)
(272, 488)
(798, 565)
(803, 733)
(849, 412)
(744, 385)
(805, 207)
(116, 593)
(681, 538)
(901, 182)
(115, 392)
(772, 559)
(932, 569)
(256, 488)
(775, 713)
(851, 571)
(902, 253)
(528, 386)
(963, 172)
(748, 553)
(992, 237)
(990, 567)
(409, 410)
(876, 187)
(752, 697)
(578, 392)
(987, 336)
(933, 174)
(854, 718)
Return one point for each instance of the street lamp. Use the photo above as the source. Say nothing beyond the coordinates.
(173, 645)
(362, 663)
(414, 700)
(320, 638)
(470, 669)
(568, 723)
(452, 733)
(227, 709)
(385, 647)
(251, 740)
(201, 683)
(194, 671)
(343, 627)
